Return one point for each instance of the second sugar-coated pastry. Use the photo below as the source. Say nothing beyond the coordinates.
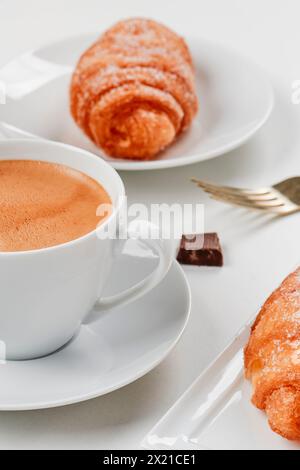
(272, 358)
(133, 91)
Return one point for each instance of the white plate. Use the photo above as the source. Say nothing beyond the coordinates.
(235, 97)
(118, 349)
(216, 413)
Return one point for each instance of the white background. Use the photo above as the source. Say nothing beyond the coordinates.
(258, 253)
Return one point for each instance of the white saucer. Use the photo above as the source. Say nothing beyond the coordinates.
(235, 97)
(121, 347)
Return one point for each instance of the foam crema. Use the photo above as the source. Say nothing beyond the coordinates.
(45, 204)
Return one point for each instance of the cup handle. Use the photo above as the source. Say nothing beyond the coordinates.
(165, 251)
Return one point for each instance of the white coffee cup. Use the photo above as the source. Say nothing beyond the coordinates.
(46, 294)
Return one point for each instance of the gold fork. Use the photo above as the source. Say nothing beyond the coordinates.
(282, 198)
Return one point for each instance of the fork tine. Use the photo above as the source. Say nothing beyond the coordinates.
(230, 190)
(272, 200)
(269, 199)
(244, 196)
(262, 205)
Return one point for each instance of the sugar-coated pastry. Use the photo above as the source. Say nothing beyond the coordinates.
(133, 91)
(272, 358)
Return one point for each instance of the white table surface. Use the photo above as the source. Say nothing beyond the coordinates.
(258, 253)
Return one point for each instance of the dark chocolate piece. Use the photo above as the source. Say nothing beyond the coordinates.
(201, 250)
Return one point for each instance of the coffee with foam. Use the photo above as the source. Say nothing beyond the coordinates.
(45, 204)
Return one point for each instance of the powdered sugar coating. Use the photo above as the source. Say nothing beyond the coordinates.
(137, 53)
(272, 357)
